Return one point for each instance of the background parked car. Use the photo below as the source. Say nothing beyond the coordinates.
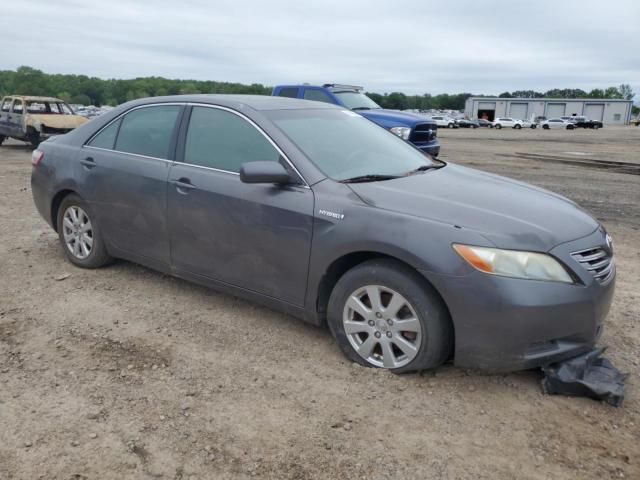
(584, 122)
(557, 123)
(529, 124)
(444, 122)
(464, 123)
(507, 122)
(484, 123)
(34, 119)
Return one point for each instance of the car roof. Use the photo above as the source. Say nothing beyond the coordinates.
(238, 102)
(36, 98)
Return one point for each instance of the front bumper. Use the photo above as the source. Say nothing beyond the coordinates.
(507, 324)
(432, 147)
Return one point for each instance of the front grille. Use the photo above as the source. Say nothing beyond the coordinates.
(423, 132)
(598, 262)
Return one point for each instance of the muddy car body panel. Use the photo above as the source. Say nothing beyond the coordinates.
(286, 245)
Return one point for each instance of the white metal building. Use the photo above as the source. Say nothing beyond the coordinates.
(608, 110)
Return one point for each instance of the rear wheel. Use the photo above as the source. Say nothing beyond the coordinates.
(518, 126)
(596, 126)
(450, 125)
(546, 127)
(2, 139)
(498, 126)
(80, 235)
(383, 314)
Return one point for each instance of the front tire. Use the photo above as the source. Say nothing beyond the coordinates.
(384, 314)
(545, 127)
(450, 125)
(498, 126)
(80, 235)
(518, 127)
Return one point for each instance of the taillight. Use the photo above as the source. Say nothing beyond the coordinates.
(36, 157)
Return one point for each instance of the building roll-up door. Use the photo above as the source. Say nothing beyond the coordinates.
(518, 111)
(594, 111)
(555, 110)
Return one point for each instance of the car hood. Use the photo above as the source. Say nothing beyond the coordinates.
(509, 213)
(392, 118)
(56, 120)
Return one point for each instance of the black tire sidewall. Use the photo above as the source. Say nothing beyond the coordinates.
(437, 333)
(98, 256)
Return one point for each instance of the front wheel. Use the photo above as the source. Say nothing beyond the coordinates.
(80, 235)
(2, 139)
(383, 314)
(450, 125)
(498, 126)
(546, 127)
(518, 127)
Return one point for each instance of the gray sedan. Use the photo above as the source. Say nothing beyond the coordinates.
(314, 210)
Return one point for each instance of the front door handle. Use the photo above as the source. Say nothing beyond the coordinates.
(183, 185)
(88, 163)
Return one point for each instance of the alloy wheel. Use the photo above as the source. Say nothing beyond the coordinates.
(77, 232)
(382, 326)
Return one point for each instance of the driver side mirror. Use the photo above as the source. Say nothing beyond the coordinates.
(264, 172)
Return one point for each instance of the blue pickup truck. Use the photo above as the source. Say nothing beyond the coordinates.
(414, 128)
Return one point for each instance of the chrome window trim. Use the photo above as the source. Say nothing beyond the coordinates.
(192, 104)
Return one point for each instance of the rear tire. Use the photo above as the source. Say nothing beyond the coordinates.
(545, 127)
(518, 127)
(450, 125)
(596, 127)
(2, 139)
(80, 235)
(498, 126)
(406, 327)
(33, 137)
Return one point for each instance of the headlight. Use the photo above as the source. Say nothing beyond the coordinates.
(402, 132)
(512, 263)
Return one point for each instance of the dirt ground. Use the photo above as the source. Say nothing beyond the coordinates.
(124, 373)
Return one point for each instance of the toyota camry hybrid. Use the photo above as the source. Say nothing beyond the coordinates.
(314, 210)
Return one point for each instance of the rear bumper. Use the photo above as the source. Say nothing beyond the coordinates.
(506, 324)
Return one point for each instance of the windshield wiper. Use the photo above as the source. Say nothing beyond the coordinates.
(369, 178)
(424, 168)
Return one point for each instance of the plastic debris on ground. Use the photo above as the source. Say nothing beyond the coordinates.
(587, 375)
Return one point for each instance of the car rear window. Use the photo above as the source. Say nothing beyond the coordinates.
(289, 92)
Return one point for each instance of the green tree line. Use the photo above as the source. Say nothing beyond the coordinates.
(85, 90)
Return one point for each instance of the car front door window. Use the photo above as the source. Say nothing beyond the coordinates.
(224, 141)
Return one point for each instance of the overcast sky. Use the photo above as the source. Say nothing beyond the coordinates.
(411, 46)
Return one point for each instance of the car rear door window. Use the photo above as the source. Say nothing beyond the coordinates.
(6, 104)
(18, 107)
(288, 92)
(148, 131)
(317, 95)
(223, 140)
(107, 137)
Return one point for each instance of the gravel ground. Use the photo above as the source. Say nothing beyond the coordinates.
(124, 373)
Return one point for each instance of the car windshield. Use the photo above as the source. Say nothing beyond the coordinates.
(356, 100)
(345, 145)
(45, 107)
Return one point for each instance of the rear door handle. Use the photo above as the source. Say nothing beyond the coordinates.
(88, 163)
(183, 185)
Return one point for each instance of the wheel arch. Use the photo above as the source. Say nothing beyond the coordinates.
(55, 205)
(346, 262)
